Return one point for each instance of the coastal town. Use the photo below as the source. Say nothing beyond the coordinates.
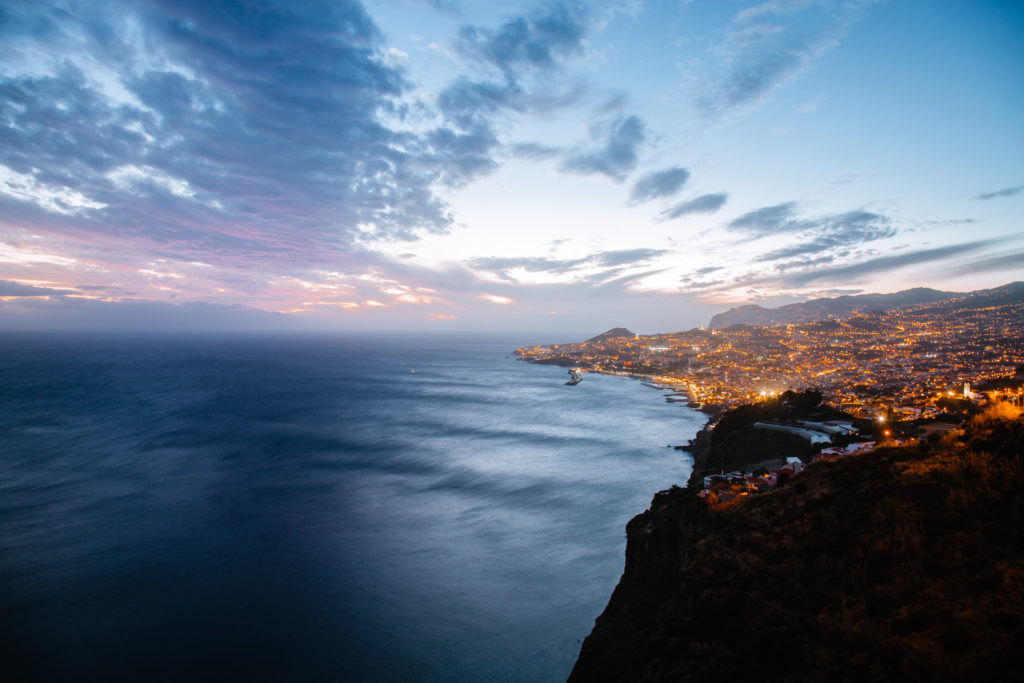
(881, 378)
(906, 362)
(866, 467)
(725, 487)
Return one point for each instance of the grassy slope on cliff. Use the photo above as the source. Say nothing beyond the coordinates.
(734, 444)
(907, 563)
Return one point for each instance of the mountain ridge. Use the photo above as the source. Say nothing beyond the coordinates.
(814, 310)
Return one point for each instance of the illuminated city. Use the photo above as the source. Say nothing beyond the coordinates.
(867, 364)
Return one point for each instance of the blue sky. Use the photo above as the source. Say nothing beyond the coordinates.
(553, 167)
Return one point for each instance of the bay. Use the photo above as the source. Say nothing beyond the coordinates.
(282, 508)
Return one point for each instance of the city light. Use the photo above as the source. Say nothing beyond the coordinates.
(914, 354)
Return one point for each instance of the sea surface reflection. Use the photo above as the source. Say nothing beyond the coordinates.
(307, 508)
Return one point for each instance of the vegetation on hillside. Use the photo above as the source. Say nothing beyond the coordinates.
(734, 444)
(901, 564)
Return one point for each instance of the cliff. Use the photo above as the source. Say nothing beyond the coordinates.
(902, 564)
(660, 545)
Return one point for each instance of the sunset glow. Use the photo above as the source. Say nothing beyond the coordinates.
(393, 165)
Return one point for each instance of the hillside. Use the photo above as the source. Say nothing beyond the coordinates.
(614, 333)
(983, 298)
(901, 564)
(819, 309)
(734, 444)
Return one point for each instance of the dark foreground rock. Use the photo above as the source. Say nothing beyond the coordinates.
(904, 564)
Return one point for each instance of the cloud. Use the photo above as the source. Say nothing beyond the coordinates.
(534, 42)
(9, 288)
(767, 220)
(814, 241)
(697, 280)
(534, 151)
(462, 156)
(615, 153)
(770, 44)
(526, 52)
(812, 104)
(827, 233)
(445, 6)
(198, 118)
(496, 299)
(279, 138)
(1005, 192)
(882, 264)
(700, 284)
(659, 184)
(605, 263)
(948, 222)
(620, 280)
(469, 104)
(1001, 262)
(533, 264)
(817, 235)
(844, 179)
(67, 313)
(706, 203)
(626, 256)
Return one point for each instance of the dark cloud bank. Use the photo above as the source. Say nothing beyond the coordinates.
(224, 142)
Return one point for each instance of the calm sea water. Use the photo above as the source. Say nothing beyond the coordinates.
(308, 509)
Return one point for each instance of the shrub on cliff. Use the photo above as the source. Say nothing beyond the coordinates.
(790, 405)
(902, 564)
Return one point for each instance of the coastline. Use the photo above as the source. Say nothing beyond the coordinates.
(466, 490)
(658, 383)
(699, 446)
(822, 579)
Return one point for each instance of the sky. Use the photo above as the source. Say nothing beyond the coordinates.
(448, 165)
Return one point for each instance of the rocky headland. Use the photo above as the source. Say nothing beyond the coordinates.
(905, 563)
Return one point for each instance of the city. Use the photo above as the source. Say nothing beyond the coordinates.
(903, 362)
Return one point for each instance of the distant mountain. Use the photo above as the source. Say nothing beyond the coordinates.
(983, 298)
(614, 333)
(820, 309)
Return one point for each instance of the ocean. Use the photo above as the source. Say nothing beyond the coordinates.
(308, 508)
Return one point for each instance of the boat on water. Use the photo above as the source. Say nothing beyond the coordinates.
(412, 372)
(575, 376)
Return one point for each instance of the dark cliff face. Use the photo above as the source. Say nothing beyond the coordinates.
(660, 543)
(905, 564)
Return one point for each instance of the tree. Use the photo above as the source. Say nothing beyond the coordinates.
(803, 401)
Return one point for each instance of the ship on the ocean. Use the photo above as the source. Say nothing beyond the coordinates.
(575, 376)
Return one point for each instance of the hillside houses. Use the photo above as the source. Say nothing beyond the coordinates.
(727, 487)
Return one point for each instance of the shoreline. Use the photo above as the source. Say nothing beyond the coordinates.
(661, 384)
(699, 446)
